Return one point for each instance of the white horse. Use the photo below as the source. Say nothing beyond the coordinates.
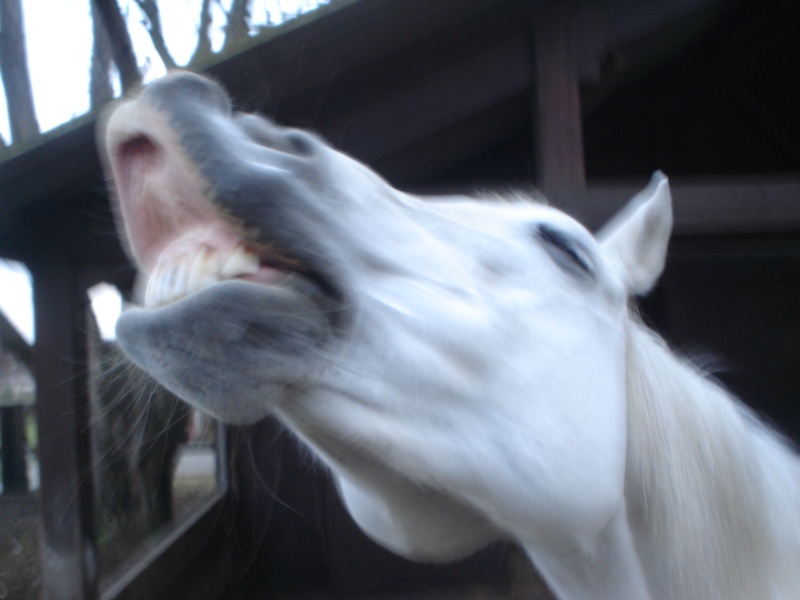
(470, 371)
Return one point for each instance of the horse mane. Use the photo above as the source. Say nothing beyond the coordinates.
(712, 493)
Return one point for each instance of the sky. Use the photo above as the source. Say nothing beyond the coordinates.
(59, 47)
(59, 55)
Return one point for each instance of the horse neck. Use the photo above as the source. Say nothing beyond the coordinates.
(713, 496)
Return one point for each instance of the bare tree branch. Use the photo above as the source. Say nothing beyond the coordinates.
(121, 45)
(150, 9)
(238, 24)
(100, 90)
(202, 52)
(14, 71)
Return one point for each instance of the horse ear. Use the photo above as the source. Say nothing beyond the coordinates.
(636, 239)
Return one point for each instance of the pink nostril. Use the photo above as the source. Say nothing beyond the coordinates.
(140, 148)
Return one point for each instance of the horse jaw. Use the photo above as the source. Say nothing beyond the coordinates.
(635, 241)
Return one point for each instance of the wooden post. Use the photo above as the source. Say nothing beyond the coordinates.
(557, 126)
(12, 417)
(12, 431)
(67, 550)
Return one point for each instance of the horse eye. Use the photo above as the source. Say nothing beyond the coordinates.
(566, 251)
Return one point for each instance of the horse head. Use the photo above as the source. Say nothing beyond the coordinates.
(458, 363)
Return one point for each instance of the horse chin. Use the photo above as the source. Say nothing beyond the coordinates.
(231, 332)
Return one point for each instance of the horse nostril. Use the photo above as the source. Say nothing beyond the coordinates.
(300, 143)
(138, 146)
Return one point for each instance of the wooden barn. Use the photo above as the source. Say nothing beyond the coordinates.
(582, 99)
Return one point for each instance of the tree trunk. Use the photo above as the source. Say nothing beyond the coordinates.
(14, 70)
(121, 45)
(238, 24)
(100, 90)
(202, 53)
(150, 9)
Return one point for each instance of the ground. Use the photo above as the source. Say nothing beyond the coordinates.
(19, 537)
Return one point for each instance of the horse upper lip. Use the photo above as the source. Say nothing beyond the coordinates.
(194, 177)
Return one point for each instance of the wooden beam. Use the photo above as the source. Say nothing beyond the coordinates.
(767, 205)
(67, 552)
(12, 418)
(66, 154)
(557, 126)
(729, 206)
(166, 566)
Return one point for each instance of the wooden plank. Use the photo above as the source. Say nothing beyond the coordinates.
(157, 572)
(66, 155)
(67, 552)
(77, 224)
(337, 39)
(557, 126)
(432, 101)
(450, 146)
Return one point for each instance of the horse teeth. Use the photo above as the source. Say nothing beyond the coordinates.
(203, 272)
(178, 280)
(242, 261)
(151, 294)
(173, 278)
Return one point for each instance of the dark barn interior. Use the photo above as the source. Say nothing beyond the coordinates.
(582, 100)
